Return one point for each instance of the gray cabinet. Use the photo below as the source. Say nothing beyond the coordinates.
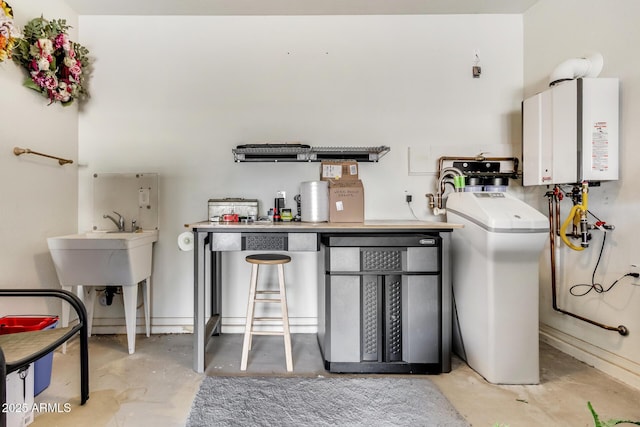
(380, 304)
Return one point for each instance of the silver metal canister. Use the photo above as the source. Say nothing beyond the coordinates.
(314, 201)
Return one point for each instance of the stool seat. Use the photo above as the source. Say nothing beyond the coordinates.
(268, 259)
(258, 296)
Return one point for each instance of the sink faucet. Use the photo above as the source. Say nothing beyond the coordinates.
(119, 223)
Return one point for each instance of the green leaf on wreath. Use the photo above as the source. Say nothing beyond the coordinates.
(31, 85)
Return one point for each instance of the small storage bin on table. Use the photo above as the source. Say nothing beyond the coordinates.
(42, 367)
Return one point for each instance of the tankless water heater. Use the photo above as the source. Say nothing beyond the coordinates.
(570, 133)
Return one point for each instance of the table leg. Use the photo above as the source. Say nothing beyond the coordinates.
(216, 289)
(199, 341)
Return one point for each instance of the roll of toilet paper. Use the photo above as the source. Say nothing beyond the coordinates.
(185, 241)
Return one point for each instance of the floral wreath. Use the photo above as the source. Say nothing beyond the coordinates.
(57, 66)
(8, 32)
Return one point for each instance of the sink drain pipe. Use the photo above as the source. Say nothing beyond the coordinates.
(622, 330)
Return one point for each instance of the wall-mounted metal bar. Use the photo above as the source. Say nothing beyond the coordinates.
(18, 151)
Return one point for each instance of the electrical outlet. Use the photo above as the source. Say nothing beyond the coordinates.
(407, 196)
(476, 69)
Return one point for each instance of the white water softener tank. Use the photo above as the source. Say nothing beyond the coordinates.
(495, 261)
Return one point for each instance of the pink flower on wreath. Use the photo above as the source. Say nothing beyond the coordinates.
(38, 78)
(62, 41)
(44, 79)
(51, 82)
(75, 71)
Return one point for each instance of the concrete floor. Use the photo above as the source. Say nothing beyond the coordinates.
(156, 385)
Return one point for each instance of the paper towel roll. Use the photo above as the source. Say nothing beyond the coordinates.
(185, 241)
(314, 201)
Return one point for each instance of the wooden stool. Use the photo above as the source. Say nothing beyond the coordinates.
(279, 297)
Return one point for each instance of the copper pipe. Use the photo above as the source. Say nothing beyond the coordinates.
(18, 151)
(622, 330)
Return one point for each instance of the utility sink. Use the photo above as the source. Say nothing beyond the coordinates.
(99, 259)
(103, 258)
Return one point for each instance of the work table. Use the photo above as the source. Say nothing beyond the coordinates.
(212, 239)
(369, 225)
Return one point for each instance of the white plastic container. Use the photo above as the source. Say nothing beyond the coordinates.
(19, 407)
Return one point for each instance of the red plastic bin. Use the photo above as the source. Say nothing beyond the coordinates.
(14, 324)
(42, 367)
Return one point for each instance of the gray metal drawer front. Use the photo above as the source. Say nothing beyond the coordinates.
(264, 242)
(374, 259)
(422, 259)
(389, 240)
(344, 259)
(413, 259)
(303, 242)
(226, 242)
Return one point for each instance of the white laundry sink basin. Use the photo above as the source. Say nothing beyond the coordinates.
(102, 258)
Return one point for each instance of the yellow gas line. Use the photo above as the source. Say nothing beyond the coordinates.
(576, 213)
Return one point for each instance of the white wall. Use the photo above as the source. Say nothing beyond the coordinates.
(38, 197)
(174, 95)
(555, 31)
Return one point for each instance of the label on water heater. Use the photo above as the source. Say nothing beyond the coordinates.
(600, 147)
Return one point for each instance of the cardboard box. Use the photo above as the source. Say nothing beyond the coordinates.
(339, 170)
(346, 201)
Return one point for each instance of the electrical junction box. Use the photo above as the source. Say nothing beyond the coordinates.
(570, 133)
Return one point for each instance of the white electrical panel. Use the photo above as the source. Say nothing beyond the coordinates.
(570, 133)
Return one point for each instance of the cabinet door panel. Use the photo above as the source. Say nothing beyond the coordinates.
(421, 319)
(345, 318)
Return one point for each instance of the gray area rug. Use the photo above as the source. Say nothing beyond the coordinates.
(321, 401)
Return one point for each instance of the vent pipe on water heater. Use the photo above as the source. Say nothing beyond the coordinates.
(576, 68)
